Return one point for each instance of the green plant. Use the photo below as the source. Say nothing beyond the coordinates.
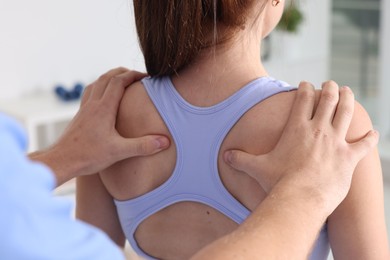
(291, 19)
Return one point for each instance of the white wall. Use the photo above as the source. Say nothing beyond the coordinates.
(45, 42)
(384, 104)
(306, 55)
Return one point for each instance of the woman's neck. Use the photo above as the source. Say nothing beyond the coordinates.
(219, 72)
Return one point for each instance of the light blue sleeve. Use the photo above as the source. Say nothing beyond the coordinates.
(34, 224)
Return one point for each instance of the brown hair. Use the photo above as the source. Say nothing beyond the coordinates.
(173, 32)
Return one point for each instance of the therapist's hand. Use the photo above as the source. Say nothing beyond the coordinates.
(312, 153)
(91, 143)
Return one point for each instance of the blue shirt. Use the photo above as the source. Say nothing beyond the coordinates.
(34, 224)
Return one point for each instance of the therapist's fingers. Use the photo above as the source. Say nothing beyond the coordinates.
(245, 162)
(360, 148)
(99, 86)
(140, 146)
(344, 111)
(117, 85)
(86, 94)
(96, 89)
(304, 102)
(327, 104)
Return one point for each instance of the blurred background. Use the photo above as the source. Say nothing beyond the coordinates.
(44, 43)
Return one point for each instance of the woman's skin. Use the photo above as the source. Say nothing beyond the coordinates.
(254, 235)
(356, 229)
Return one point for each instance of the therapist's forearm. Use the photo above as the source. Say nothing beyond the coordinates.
(63, 167)
(284, 226)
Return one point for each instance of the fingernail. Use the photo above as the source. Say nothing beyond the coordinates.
(162, 142)
(375, 132)
(228, 156)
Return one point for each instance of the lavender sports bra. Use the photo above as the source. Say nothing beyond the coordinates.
(198, 133)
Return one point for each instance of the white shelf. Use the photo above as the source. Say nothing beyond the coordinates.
(43, 109)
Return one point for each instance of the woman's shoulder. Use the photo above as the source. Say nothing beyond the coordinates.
(271, 115)
(283, 102)
(360, 123)
(135, 100)
(134, 95)
(273, 112)
(136, 114)
(260, 128)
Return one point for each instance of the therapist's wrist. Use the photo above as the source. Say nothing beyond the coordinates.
(307, 194)
(64, 168)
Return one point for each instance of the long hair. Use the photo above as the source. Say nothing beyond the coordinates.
(171, 33)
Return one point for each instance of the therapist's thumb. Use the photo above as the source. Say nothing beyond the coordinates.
(242, 161)
(142, 146)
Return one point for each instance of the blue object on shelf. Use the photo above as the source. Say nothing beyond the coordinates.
(69, 95)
